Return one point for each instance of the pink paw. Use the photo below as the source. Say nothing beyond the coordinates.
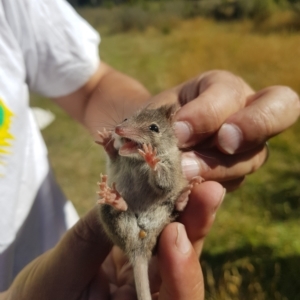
(110, 196)
(106, 140)
(196, 180)
(149, 154)
(105, 137)
(184, 197)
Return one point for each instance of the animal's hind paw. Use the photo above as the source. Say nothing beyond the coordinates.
(110, 196)
(184, 197)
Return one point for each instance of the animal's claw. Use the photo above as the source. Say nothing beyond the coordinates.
(105, 137)
(149, 154)
(110, 196)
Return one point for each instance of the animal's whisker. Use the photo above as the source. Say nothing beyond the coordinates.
(88, 149)
(103, 114)
(106, 112)
(112, 103)
(113, 109)
(102, 124)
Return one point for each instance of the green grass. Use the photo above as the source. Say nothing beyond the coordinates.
(253, 251)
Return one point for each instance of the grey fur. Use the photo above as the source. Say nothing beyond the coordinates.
(150, 195)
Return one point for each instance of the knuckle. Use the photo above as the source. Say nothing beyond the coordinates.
(217, 73)
(216, 116)
(265, 121)
(209, 77)
(232, 84)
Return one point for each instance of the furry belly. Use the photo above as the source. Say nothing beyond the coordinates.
(136, 233)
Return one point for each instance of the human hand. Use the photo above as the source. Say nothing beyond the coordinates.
(223, 124)
(85, 266)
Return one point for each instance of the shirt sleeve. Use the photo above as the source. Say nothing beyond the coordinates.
(60, 48)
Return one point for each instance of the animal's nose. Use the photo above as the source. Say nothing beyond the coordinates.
(119, 130)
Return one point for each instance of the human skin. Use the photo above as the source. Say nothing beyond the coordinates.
(222, 125)
(210, 102)
(84, 265)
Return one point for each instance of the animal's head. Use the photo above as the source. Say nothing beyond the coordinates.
(147, 126)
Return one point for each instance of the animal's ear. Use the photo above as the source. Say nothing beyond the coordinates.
(170, 110)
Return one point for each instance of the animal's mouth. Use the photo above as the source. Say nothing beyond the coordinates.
(129, 147)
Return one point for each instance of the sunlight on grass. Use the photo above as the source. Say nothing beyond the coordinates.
(253, 251)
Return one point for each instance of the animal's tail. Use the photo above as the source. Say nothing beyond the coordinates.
(140, 270)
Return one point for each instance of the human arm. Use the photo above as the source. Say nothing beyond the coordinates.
(106, 99)
(72, 269)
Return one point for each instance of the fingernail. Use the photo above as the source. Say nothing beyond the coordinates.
(182, 242)
(230, 138)
(190, 166)
(183, 132)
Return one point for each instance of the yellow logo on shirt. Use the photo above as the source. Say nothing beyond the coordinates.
(5, 123)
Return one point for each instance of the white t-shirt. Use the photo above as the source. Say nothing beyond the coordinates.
(47, 48)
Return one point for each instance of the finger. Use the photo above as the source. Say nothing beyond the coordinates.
(119, 273)
(200, 211)
(67, 270)
(270, 111)
(214, 165)
(125, 292)
(99, 288)
(216, 96)
(103, 178)
(179, 266)
(232, 185)
(82, 250)
(142, 153)
(198, 218)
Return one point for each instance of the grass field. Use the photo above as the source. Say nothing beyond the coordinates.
(253, 251)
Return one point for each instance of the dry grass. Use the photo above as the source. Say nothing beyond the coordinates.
(253, 251)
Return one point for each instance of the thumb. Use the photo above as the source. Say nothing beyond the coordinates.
(179, 265)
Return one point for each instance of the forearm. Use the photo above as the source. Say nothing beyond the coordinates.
(107, 98)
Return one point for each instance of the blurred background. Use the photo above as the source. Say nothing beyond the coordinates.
(253, 251)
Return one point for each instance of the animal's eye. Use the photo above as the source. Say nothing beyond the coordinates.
(154, 127)
(125, 120)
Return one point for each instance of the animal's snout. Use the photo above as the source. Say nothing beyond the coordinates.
(119, 130)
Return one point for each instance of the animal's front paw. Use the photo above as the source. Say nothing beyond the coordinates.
(149, 154)
(107, 141)
(105, 137)
(110, 196)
